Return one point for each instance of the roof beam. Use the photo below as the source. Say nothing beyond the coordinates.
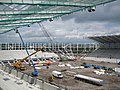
(18, 22)
(13, 26)
(96, 39)
(56, 3)
(107, 39)
(111, 39)
(104, 2)
(104, 39)
(45, 3)
(5, 31)
(117, 37)
(15, 19)
(39, 20)
(34, 21)
(10, 25)
(26, 12)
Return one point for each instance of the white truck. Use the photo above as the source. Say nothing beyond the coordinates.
(57, 74)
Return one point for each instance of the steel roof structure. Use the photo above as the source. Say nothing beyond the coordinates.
(107, 39)
(18, 13)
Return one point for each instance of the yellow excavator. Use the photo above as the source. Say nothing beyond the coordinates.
(18, 64)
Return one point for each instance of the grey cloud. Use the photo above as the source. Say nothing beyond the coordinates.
(105, 18)
(108, 13)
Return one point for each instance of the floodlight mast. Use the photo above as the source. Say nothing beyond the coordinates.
(35, 73)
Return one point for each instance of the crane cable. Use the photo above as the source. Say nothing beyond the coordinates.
(46, 33)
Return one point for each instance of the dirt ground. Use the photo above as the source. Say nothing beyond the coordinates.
(111, 80)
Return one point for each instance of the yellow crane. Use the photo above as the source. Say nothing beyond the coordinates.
(18, 64)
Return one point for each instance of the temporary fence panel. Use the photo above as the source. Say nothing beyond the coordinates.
(20, 75)
(31, 80)
(40, 83)
(48, 86)
(25, 77)
(14, 72)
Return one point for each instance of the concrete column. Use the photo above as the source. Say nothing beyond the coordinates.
(4, 67)
(0, 46)
(14, 72)
(1, 66)
(20, 75)
(50, 86)
(7, 69)
(10, 69)
(40, 83)
(26, 77)
(31, 80)
(15, 46)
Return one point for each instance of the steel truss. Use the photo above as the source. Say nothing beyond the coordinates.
(18, 13)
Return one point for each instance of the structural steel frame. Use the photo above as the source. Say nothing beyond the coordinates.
(19, 13)
(107, 39)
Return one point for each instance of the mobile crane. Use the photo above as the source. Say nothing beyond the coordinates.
(35, 73)
(18, 64)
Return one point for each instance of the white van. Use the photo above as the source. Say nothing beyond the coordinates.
(57, 74)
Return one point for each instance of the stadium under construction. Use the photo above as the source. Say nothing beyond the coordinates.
(55, 65)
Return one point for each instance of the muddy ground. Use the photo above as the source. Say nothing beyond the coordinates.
(111, 80)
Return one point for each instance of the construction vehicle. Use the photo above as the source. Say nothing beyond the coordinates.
(35, 73)
(44, 63)
(50, 79)
(57, 74)
(18, 64)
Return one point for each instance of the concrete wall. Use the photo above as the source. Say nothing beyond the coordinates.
(20, 75)
(1, 66)
(48, 86)
(14, 72)
(31, 80)
(42, 84)
(26, 77)
(7, 69)
(4, 67)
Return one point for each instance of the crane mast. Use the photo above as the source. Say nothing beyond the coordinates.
(18, 63)
(35, 73)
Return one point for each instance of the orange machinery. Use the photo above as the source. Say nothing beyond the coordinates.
(18, 64)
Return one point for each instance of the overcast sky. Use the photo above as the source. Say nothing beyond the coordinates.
(74, 27)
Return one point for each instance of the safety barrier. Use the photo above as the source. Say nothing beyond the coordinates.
(41, 83)
(20, 75)
(31, 80)
(51, 87)
(1, 66)
(26, 77)
(14, 72)
(7, 69)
